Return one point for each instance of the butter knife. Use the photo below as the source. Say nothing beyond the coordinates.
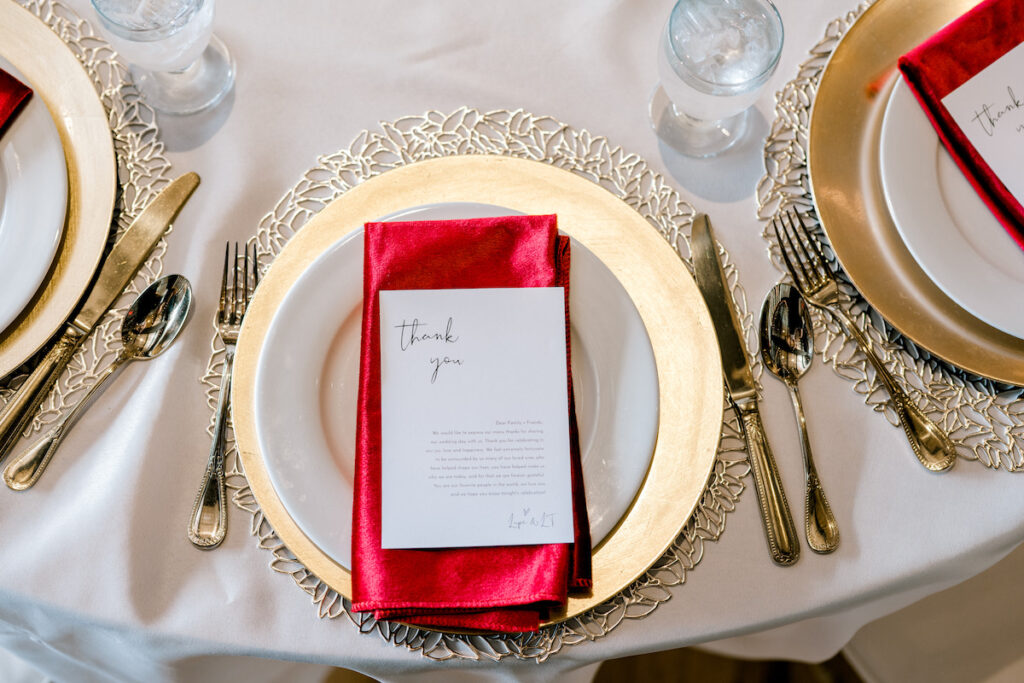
(775, 514)
(119, 267)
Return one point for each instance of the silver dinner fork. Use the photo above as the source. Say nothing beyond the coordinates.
(814, 278)
(209, 522)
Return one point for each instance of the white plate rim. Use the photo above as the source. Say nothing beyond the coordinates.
(33, 201)
(273, 441)
(923, 188)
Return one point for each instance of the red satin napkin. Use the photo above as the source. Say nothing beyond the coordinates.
(507, 588)
(949, 59)
(13, 95)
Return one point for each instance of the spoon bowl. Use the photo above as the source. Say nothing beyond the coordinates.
(787, 349)
(787, 337)
(156, 317)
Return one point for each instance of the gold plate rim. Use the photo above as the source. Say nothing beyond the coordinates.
(847, 193)
(64, 86)
(678, 324)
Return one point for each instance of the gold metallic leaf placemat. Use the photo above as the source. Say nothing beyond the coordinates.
(657, 207)
(677, 321)
(835, 140)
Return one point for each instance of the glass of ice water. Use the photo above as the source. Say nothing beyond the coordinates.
(179, 66)
(713, 59)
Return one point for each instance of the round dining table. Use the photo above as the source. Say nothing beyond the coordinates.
(100, 581)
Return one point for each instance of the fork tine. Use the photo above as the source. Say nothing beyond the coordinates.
(808, 254)
(233, 287)
(812, 242)
(785, 247)
(814, 268)
(255, 269)
(245, 282)
(224, 283)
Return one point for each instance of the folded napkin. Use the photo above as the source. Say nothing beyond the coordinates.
(506, 588)
(13, 95)
(948, 60)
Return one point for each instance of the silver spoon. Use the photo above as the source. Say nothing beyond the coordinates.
(152, 323)
(787, 348)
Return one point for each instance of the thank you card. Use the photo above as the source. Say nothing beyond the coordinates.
(989, 108)
(474, 418)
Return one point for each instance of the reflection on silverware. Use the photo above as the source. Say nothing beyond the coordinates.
(119, 267)
(775, 515)
(209, 523)
(787, 348)
(816, 282)
(150, 326)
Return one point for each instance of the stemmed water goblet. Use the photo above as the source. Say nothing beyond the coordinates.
(714, 57)
(177, 63)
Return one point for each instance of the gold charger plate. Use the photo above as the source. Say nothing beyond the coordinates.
(846, 184)
(57, 77)
(677, 321)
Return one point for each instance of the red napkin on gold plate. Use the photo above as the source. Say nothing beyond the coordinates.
(504, 588)
(13, 95)
(949, 59)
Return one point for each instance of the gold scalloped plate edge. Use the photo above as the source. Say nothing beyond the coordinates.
(677, 321)
(60, 80)
(843, 166)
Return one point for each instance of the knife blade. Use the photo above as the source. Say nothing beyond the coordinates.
(775, 514)
(119, 267)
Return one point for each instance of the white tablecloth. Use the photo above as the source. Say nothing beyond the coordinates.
(970, 632)
(99, 581)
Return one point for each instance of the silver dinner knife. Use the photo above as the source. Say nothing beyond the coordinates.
(119, 267)
(775, 514)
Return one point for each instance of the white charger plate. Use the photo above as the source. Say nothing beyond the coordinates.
(307, 372)
(944, 223)
(33, 201)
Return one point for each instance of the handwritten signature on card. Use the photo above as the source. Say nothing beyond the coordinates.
(528, 518)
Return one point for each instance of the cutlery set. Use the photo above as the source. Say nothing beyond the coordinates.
(165, 304)
(124, 260)
(158, 315)
(151, 324)
(787, 349)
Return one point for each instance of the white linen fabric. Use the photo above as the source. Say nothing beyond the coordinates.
(970, 632)
(99, 581)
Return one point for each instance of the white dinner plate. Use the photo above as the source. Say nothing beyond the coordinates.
(307, 372)
(946, 226)
(33, 200)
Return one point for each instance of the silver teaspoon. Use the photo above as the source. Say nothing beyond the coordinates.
(152, 323)
(787, 348)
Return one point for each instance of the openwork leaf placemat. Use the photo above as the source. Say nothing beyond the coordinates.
(541, 138)
(984, 418)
